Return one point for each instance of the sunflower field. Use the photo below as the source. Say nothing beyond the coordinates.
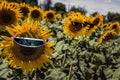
(37, 44)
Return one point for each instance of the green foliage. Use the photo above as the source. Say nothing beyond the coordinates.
(78, 9)
(60, 7)
(112, 17)
(94, 14)
(47, 4)
(31, 2)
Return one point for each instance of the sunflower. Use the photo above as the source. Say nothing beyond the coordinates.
(74, 25)
(49, 15)
(105, 25)
(89, 24)
(98, 20)
(115, 26)
(36, 13)
(107, 36)
(24, 57)
(58, 16)
(25, 9)
(9, 14)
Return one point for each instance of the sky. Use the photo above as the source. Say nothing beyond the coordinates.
(101, 6)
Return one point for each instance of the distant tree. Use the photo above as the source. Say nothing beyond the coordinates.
(31, 2)
(47, 4)
(78, 9)
(112, 17)
(59, 7)
(94, 13)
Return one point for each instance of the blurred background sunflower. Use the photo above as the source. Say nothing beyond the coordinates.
(25, 9)
(20, 57)
(93, 22)
(36, 13)
(49, 15)
(105, 25)
(115, 26)
(9, 14)
(98, 20)
(107, 36)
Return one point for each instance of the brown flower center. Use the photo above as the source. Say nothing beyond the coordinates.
(96, 21)
(35, 14)
(7, 17)
(104, 26)
(75, 26)
(25, 11)
(50, 15)
(114, 26)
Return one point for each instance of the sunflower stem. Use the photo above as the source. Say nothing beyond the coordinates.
(52, 65)
(35, 77)
(27, 78)
(70, 70)
(92, 59)
(63, 62)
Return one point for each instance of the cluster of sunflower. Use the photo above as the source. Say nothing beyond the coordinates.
(77, 24)
(22, 20)
(111, 30)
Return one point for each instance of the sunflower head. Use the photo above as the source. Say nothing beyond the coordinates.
(107, 36)
(27, 46)
(107, 25)
(49, 15)
(9, 14)
(36, 13)
(25, 9)
(104, 25)
(98, 20)
(115, 26)
(74, 25)
(7, 17)
(93, 23)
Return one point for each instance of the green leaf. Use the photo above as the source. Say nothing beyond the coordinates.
(3, 66)
(108, 72)
(59, 45)
(56, 74)
(116, 74)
